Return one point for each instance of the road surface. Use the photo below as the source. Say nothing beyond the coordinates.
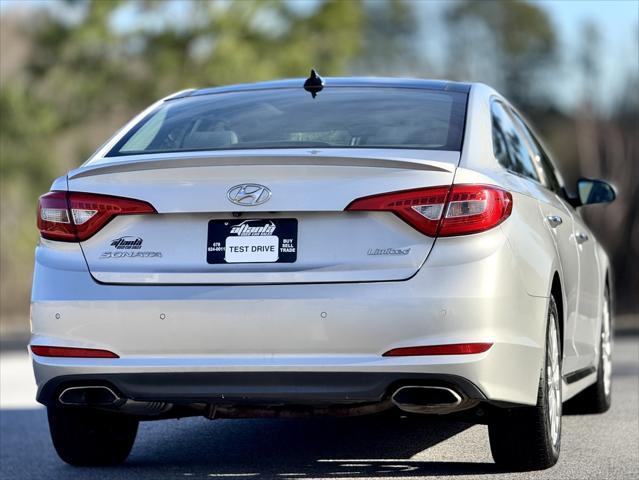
(594, 446)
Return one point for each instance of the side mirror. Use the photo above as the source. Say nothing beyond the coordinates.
(595, 191)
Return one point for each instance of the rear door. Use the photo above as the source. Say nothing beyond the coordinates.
(296, 232)
(560, 219)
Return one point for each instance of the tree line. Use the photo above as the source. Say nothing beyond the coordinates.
(72, 73)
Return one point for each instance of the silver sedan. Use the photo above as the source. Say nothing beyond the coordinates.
(345, 246)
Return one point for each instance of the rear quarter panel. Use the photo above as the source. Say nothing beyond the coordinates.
(527, 235)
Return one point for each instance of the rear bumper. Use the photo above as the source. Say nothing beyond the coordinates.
(505, 373)
(258, 388)
(177, 333)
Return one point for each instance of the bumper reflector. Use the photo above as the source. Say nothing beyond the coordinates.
(45, 351)
(453, 349)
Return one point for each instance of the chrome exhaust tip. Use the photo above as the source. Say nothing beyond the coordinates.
(89, 395)
(100, 396)
(427, 399)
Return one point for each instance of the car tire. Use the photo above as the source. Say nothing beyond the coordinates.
(529, 438)
(84, 437)
(597, 397)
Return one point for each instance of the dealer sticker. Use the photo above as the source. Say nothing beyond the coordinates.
(251, 249)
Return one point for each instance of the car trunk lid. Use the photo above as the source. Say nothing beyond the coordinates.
(310, 236)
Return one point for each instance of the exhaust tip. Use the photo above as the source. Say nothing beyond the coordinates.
(91, 395)
(426, 399)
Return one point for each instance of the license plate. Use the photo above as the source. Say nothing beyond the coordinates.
(252, 241)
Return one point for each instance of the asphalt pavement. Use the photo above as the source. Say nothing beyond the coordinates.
(594, 446)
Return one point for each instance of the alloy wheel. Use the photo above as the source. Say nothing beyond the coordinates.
(553, 380)
(606, 348)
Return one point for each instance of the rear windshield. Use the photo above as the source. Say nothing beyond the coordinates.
(341, 117)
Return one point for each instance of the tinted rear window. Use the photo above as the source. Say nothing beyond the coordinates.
(341, 117)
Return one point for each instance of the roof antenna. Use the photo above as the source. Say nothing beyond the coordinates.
(314, 84)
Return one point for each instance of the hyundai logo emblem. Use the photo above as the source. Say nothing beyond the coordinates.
(248, 194)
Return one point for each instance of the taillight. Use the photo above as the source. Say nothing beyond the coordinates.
(475, 208)
(444, 211)
(76, 216)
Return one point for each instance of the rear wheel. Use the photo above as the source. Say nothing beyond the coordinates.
(596, 398)
(529, 438)
(84, 437)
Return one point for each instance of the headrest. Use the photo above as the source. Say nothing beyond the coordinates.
(210, 139)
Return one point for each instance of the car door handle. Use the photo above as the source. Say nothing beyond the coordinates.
(581, 237)
(554, 220)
